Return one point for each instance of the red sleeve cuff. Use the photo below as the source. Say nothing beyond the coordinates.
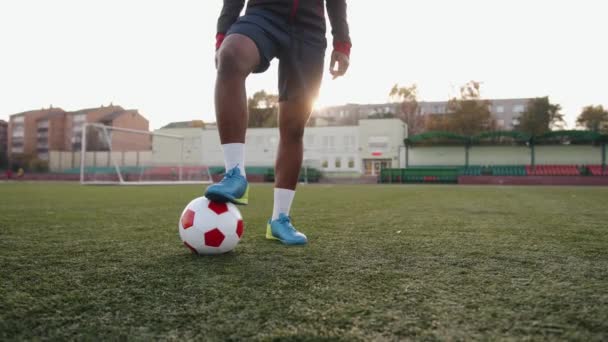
(219, 38)
(342, 47)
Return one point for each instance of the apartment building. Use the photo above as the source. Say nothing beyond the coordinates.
(35, 133)
(506, 112)
(3, 142)
(23, 136)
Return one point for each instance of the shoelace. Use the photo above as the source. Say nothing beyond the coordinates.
(231, 173)
(284, 219)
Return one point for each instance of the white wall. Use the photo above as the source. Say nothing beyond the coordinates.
(436, 155)
(503, 155)
(568, 154)
(499, 155)
(166, 150)
(320, 144)
(61, 160)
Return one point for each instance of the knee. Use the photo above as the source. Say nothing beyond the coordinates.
(230, 62)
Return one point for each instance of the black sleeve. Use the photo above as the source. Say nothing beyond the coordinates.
(230, 12)
(336, 10)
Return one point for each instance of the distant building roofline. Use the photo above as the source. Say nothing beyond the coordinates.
(53, 109)
(88, 110)
(186, 124)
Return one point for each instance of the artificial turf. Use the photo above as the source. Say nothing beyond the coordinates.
(384, 262)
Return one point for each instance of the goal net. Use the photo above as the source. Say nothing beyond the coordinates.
(112, 155)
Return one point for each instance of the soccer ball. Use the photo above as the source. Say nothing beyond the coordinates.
(207, 227)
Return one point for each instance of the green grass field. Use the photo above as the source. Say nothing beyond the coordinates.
(384, 262)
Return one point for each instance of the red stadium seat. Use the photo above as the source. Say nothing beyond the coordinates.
(553, 170)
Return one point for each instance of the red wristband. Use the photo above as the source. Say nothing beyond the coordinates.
(342, 47)
(219, 38)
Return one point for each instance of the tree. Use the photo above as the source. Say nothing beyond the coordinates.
(408, 111)
(467, 115)
(540, 117)
(263, 110)
(593, 118)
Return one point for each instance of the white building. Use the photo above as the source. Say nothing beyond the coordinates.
(361, 149)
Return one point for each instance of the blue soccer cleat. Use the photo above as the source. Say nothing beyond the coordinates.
(232, 188)
(281, 229)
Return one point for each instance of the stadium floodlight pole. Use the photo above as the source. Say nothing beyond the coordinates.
(83, 148)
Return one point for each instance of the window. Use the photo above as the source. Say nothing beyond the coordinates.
(500, 109)
(79, 118)
(349, 142)
(325, 142)
(17, 132)
(338, 162)
(519, 108)
(324, 163)
(43, 124)
(351, 162)
(331, 142)
(500, 123)
(18, 119)
(17, 142)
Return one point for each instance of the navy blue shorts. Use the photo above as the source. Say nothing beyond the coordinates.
(301, 51)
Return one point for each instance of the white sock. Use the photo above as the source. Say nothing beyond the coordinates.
(234, 155)
(282, 202)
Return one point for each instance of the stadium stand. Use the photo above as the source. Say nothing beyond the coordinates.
(507, 170)
(472, 171)
(596, 170)
(431, 174)
(448, 174)
(553, 170)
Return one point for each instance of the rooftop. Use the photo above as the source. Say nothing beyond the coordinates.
(88, 110)
(186, 124)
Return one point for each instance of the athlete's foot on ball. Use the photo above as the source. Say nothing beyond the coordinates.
(233, 188)
(281, 229)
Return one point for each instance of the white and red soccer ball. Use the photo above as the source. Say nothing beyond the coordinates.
(207, 227)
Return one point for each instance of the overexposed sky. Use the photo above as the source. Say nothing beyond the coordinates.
(157, 56)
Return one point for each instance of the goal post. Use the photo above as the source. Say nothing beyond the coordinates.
(123, 156)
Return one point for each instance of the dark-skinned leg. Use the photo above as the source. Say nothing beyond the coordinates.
(236, 59)
(293, 116)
